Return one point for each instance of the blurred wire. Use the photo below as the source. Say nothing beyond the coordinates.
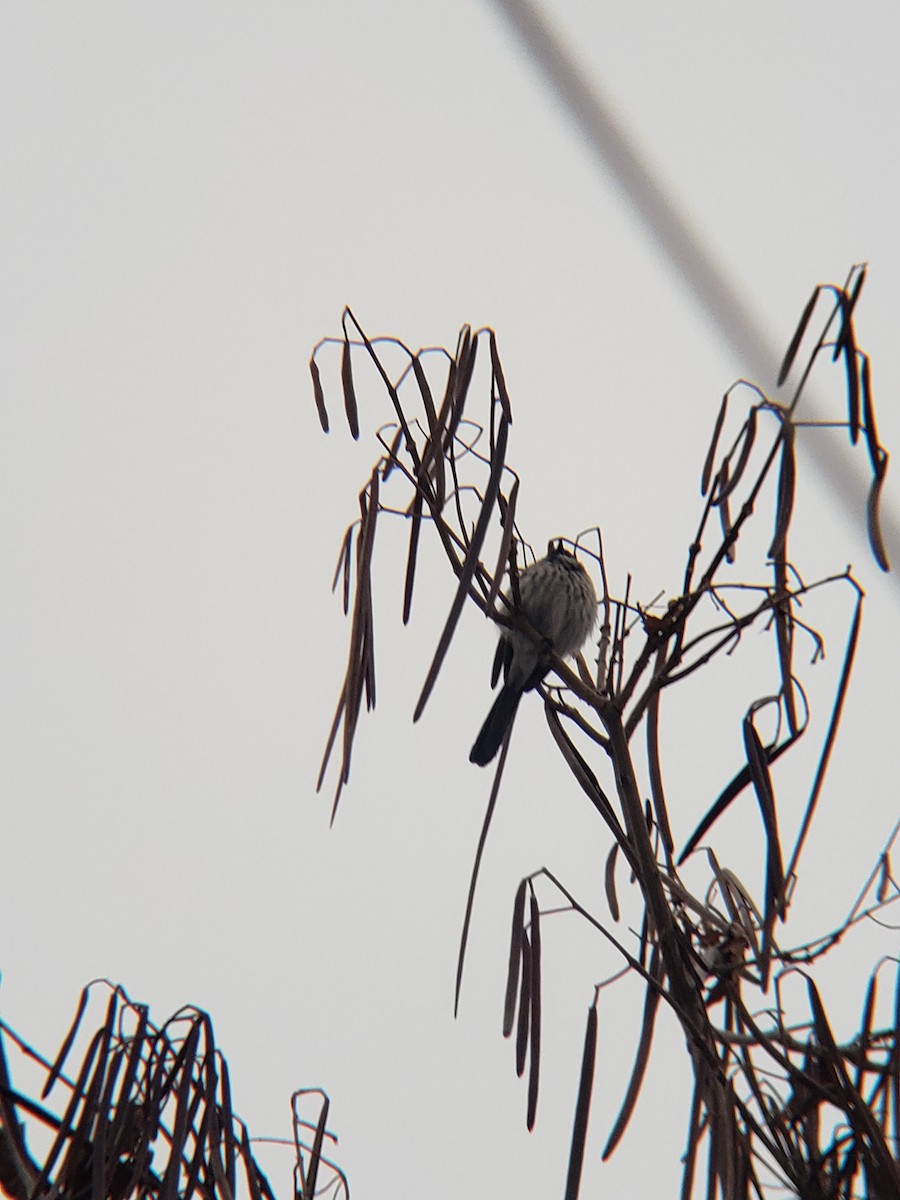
(683, 247)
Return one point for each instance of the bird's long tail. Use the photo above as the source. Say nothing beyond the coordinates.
(496, 724)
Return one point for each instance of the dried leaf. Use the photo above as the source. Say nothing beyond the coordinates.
(386, 380)
(506, 543)
(425, 393)
(499, 380)
(864, 1039)
(64, 1140)
(728, 794)
(360, 666)
(124, 1115)
(415, 525)
(315, 1154)
(432, 466)
(60, 1060)
(869, 427)
(840, 696)
(467, 569)
(873, 516)
(587, 780)
(181, 1124)
(342, 568)
(250, 1172)
(762, 784)
(711, 452)
(642, 1057)
(361, 654)
(791, 353)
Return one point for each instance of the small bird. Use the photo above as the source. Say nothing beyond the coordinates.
(558, 600)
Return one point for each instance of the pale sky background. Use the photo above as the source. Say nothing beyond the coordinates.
(191, 193)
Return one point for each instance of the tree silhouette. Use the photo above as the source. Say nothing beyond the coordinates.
(779, 1105)
(148, 1114)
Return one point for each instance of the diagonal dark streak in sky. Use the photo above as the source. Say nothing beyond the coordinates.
(683, 248)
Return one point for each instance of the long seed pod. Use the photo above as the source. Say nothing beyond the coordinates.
(842, 304)
(895, 1073)
(432, 466)
(524, 1023)
(696, 1128)
(224, 1107)
(851, 369)
(853, 294)
(319, 394)
(391, 460)
(535, 971)
(657, 791)
(732, 477)
(466, 353)
(786, 481)
(508, 511)
(610, 876)
(724, 510)
(582, 1105)
(350, 405)
(515, 959)
(782, 615)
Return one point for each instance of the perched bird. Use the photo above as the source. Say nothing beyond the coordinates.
(557, 598)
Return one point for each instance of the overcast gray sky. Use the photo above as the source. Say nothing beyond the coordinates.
(191, 194)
